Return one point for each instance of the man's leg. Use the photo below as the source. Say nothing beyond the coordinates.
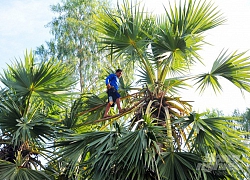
(107, 110)
(118, 102)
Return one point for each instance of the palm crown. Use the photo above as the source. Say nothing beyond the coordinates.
(159, 137)
(34, 93)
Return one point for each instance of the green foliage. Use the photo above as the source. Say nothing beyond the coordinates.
(163, 139)
(246, 123)
(158, 136)
(234, 68)
(122, 153)
(214, 113)
(12, 172)
(38, 80)
(243, 122)
(32, 104)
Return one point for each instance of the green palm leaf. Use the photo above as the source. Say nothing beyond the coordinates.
(91, 107)
(174, 85)
(179, 165)
(134, 156)
(179, 36)
(11, 172)
(46, 80)
(86, 146)
(143, 77)
(233, 67)
(215, 136)
(124, 32)
(126, 27)
(194, 17)
(30, 126)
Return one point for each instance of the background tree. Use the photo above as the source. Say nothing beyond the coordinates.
(243, 121)
(75, 41)
(214, 113)
(246, 123)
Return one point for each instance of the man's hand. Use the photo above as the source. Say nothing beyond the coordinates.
(108, 86)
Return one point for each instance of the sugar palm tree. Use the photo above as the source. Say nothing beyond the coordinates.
(158, 136)
(31, 102)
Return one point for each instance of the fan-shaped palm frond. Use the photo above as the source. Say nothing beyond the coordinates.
(46, 80)
(194, 17)
(143, 77)
(11, 171)
(24, 126)
(173, 85)
(108, 153)
(215, 136)
(179, 165)
(232, 67)
(136, 153)
(86, 146)
(179, 35)
(126, 27)
(124, 32)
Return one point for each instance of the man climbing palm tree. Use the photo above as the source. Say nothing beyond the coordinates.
(112, 82)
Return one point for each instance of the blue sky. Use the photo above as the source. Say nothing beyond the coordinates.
(22, 26)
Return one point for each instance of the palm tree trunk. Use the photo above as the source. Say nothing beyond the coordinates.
(169, 130)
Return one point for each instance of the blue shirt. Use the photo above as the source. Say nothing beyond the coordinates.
(113, 80)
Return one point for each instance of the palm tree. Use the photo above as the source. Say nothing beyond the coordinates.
(159, 136)
(32, 101)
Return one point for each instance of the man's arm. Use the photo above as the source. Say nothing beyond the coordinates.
(108, 80)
